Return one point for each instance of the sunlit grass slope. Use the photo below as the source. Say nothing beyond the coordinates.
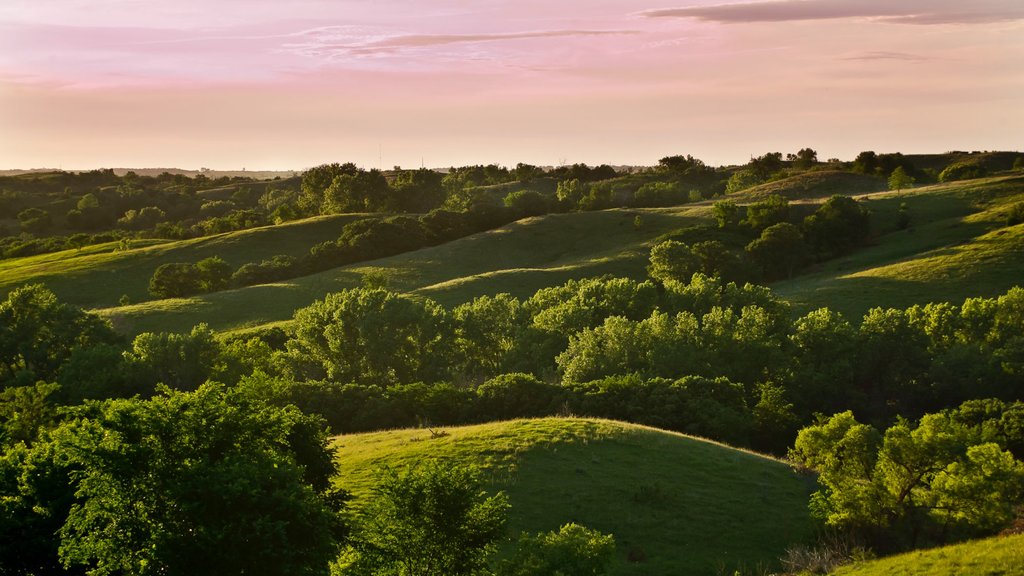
(518, 258)
(818, 184)
(1000, 556)
(958, 246)
(677, 505)
(97, 276)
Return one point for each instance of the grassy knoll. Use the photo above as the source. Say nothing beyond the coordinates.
(1000, 556)
(518, 258)
(97, 276)
(676, 504)
(818, 184)
(958, 246)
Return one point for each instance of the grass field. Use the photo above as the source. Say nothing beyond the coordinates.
(819, 184)
(683, 505)
(957, 247)
(97, 276)
(518, 258)
(1000, 556)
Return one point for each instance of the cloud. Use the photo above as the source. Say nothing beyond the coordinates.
(350, 41)
(884, 55)
(891, 11)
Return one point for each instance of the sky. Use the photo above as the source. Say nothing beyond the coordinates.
(289, 84)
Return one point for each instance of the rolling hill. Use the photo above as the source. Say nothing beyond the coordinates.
(97, 276)
(957, 246)
(999, 556)
(518, 258)
(676, 504)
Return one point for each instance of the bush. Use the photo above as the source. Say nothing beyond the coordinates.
(573, 550)
(962, 171)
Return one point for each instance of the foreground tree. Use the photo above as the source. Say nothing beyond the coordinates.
(38, 334)
(430, 519)
(938, 480)
(207, 482)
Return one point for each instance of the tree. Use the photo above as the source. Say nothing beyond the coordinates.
(899, 179)
(35, 220)
(780, 251)
(39, 334)
(208, 482)
(573, 550)
(373, 336)
(179, 361)
(765, 166)
(175, 280)
(726, 213)
(527, 202)
(772, 210)
(837, 226)
(741, 180)
(805, 158)
(214, 274)
(937, 479)
(672, 260)
(315, 182)
(433, 518)
(866, 162)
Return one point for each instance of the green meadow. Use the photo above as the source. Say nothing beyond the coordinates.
(676, 504)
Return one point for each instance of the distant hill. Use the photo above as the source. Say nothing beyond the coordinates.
(96, 276)
(957, 246)
(999, 556)
(254, 174)
(676, 504)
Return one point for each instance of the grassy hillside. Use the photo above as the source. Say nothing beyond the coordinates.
(958, 246)
(518, 258)
(97, 276)
(676, 504)
(1000, 556)
(822, 184)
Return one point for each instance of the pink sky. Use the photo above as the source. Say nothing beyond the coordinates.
(271, 84)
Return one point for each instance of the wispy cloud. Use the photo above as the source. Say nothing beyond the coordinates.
(884, 55)
(892, 11)
(351, 41)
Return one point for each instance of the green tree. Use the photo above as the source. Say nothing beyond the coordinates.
(935, 480)
(315, 182)
(35, 220)
(214, 274)
(804, 158)
(573, 550)
(527, 202)
(175, 280)
(180, 361)
(208, 482)
(726, 213)
(837, 226)
(772, 210)
(780, 251)
(488, 331)
(373, 336)
(899, 179)
(673, 260)
(426, 520)
(741, 180)
(39, 334)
